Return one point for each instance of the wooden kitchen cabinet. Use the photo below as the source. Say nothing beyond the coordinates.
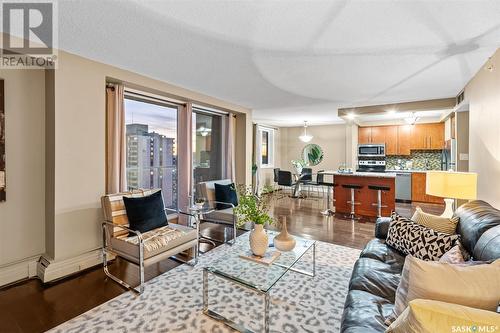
(400, 140)
(427, 136)
(436, 135)
(418, 194)
(378, 134)
(404, 140)
(391, 140)
(364, 135)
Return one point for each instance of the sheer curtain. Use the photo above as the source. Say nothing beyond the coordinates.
(229, 171)
(116, 180)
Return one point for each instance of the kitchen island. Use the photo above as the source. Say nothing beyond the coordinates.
(365, 196)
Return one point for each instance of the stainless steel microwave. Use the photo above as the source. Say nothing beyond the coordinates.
(371, 150)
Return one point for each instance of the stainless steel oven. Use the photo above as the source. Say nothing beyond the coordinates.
(371, 150)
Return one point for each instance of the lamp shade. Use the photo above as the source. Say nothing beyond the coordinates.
(450, 184)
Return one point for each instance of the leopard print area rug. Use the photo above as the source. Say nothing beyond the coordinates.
(173, 301)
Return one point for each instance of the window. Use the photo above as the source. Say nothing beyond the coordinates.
(151, 134)
(266, 142)
(207, 146)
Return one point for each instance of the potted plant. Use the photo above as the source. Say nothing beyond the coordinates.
(255, 208)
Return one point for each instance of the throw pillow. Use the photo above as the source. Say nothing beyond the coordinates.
(419, 241)
(477, 286)
(438, 223)
(434, 316)
(453, 256)
(225, 193)
(145, 213)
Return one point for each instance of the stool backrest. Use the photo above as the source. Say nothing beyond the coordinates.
(284, 178)
(306, 174)
(320, 177)
(276, 174)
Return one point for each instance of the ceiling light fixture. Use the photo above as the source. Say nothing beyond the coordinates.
(305, 137)
(412, 119)
(351, 116)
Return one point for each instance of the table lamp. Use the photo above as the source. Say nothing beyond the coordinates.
(451, 185)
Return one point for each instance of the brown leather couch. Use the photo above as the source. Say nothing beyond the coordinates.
(377, 272)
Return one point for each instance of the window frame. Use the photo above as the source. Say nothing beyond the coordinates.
(270, 147)
(162, 102)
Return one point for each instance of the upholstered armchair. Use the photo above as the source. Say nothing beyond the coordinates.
(142, 249)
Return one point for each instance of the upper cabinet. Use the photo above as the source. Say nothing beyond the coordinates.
(364, 135)
(400, 140)
(428, 136)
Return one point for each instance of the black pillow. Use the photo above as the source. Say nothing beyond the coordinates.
(225, 193)
(145, 213)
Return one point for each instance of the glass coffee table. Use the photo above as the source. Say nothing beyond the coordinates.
(257, 277)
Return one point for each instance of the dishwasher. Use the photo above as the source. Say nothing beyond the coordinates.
(403, 186)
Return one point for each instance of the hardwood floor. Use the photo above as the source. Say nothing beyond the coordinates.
(30, 306)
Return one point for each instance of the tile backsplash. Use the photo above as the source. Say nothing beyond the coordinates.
(422, 160)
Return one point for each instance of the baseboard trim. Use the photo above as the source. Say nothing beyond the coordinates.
(49, 270)
(24, 269)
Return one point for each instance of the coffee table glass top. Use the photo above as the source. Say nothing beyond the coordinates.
(256, 275)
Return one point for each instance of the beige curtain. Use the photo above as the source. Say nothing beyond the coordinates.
(184, 157)
(229, 171)
(116, 180)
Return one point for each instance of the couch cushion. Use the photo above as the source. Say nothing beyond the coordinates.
(145, 213)
(130, 249)
(379, 250)
(365, 312)
(488, 245)
(376, 277)
(475, 218)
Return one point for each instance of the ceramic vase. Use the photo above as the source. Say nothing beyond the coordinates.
(258, 240)
(284, 241)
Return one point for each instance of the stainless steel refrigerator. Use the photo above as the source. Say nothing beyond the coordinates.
(449, 155)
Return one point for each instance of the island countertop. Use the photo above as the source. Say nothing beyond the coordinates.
(365, 196)
(361, 174)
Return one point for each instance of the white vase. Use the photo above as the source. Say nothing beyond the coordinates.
(284, 241)
(259, 240)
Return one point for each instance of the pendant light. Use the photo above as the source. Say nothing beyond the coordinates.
(304, 137)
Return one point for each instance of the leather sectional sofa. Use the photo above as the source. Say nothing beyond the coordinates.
(377, 272)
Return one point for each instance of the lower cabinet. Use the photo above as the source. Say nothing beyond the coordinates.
(418, 180)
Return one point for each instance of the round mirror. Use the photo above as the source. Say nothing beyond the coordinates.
(312, 154)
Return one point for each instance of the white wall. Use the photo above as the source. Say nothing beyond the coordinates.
(483, 95)
(79, 148)
(22, 217)
(331, 138)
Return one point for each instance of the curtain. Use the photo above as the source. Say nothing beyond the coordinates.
(185, 158)
(116, 180)
(256, 159)
(229, 171)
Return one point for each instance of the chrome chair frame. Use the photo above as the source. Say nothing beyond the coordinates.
(138, 289)
(235, 226)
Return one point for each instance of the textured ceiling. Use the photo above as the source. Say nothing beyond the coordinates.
(291, 60)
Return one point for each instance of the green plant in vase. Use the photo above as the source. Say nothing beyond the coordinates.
(255, 208)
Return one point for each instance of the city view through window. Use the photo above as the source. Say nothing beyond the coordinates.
(151, 136)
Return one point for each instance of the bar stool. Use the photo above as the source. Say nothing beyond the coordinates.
(353, 188)
(321, 182)
(379, 189)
